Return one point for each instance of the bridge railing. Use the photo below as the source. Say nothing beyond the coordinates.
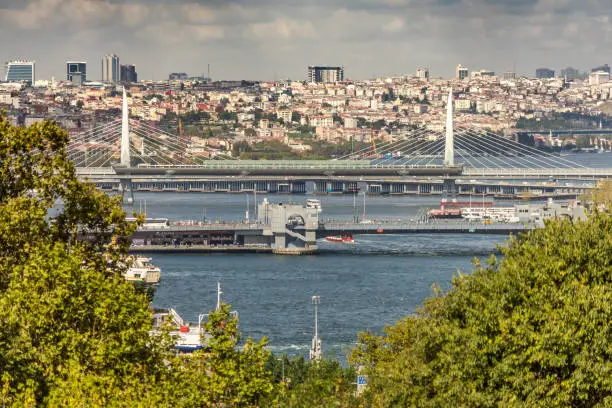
(293, 165)
(581, 171)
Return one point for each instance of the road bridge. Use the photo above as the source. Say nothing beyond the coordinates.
(153, 160)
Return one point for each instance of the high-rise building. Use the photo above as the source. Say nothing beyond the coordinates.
(422, 73)
(128, 73)
(461, 72)
(509, 75)
(111, 71)
(21, 71)
(325, 74)
(76, 72)
(570, 74)
(545, 73)
(178, 76)
(604, 68)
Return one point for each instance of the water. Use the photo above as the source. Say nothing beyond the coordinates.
(362, 286)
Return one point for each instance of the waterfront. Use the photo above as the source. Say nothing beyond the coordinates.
(366, 285)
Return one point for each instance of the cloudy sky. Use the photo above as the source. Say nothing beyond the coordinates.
(274, 39)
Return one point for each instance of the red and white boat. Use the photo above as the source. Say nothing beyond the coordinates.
(344, 239)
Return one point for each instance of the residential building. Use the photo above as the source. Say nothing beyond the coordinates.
(545, 73)
(461, 72)
(128, 74)
(482, 73)
(422, 73)
(111, 71)
(76, 72)
(325, 74)
(599, 77)
(321, 121)
(21, 71)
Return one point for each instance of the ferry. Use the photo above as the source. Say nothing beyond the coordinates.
(154, 223)
(314, 204)
(141, 270)
(455, 209)
(344, 239)
(500, 214)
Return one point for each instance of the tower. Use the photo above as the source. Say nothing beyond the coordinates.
(449, 148)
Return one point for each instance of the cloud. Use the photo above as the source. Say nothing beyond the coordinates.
(259, 39)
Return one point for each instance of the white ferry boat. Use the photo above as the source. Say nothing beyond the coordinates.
(314, 204)
(496, 214)
(141, 270)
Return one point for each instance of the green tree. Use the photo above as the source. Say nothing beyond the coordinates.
(74, 332)
(531, 329)
(312, 384)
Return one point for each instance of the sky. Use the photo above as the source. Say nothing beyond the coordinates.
(278, 39)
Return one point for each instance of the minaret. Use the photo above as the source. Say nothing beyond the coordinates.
(449, 149)
(125, 133)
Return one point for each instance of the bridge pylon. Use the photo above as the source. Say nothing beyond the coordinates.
(449, 148)
(125, 133)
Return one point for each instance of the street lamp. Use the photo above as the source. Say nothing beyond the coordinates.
(315, 350)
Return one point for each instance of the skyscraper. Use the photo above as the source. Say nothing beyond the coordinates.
(21, 71)
(325, 74)
(545, 73)
(111, 71)
(461, 72)
(128, 73)
(422, 73)
(76, 72)
(570, 73)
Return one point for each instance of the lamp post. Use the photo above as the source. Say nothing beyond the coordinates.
(315, 350)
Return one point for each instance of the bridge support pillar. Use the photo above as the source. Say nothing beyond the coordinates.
(449, 189)
(127, 190)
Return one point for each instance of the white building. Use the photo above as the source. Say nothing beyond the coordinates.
(321, 121)
(461, 72)
(111, 70)
(599, 77)
(422, 73)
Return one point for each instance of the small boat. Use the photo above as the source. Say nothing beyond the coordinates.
(344, 239)
(188, 337)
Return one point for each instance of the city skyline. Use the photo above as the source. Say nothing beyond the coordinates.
(276, 40)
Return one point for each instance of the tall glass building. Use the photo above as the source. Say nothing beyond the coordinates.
(76, 72)
(111, 70)
(21, 71)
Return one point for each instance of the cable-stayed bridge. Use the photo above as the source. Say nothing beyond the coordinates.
(140, 156)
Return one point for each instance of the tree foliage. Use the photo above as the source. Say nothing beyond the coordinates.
(531, 329)
(73, 331)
